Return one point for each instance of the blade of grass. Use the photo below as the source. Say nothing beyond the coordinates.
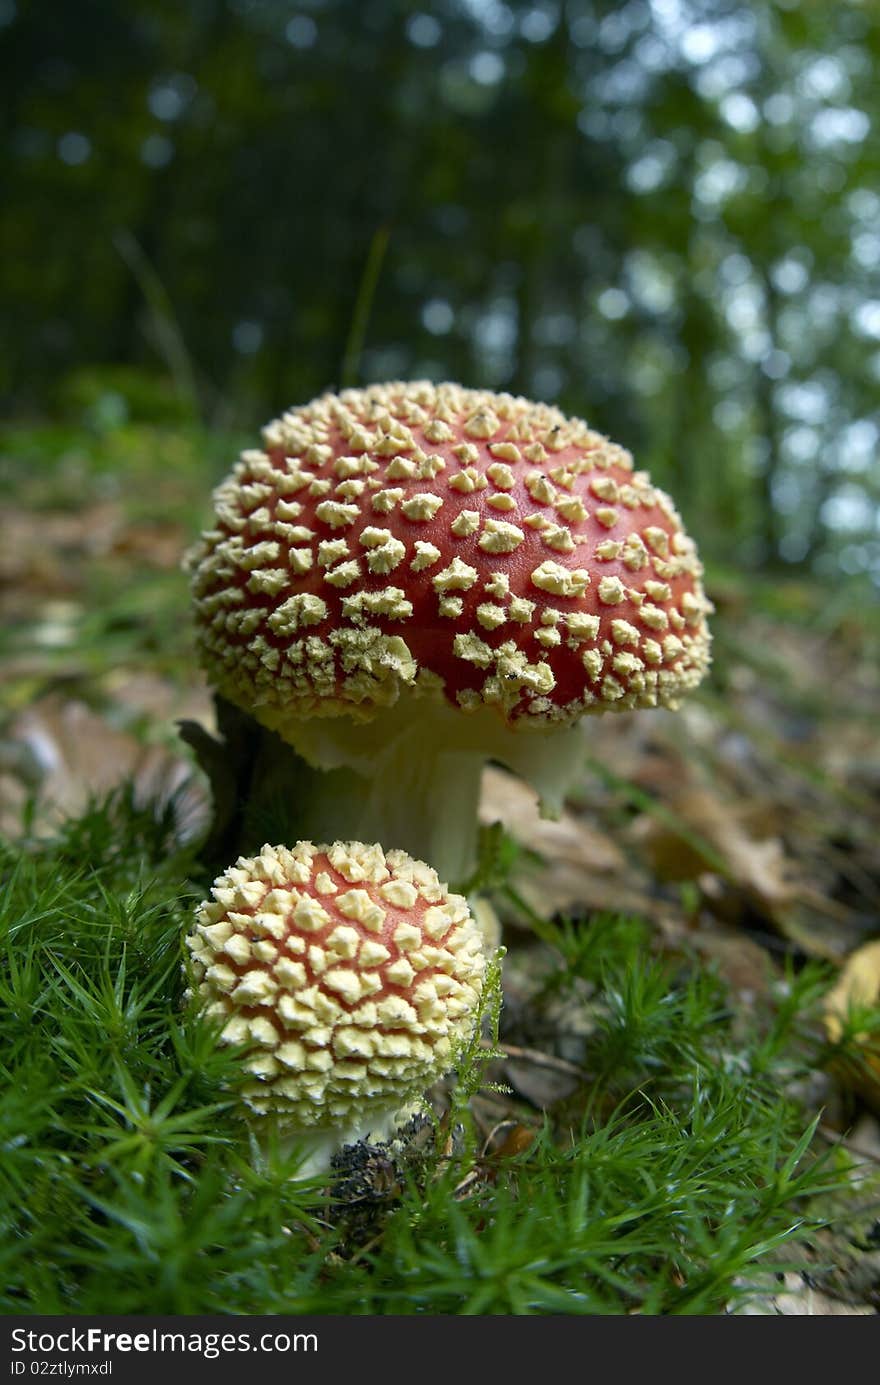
(351, 357)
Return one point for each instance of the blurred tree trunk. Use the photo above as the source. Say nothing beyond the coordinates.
(541, 281)
(157, 232)
(770, 519)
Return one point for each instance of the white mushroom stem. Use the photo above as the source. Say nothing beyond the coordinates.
(410, 777)
(316, 1148)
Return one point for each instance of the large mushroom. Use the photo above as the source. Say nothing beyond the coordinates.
(411, 579)
(352, 976)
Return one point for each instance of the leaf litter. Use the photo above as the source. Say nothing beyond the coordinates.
(742, 829)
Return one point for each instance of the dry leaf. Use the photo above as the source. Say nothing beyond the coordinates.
(738, 870)
(69, 754)
(794, 1297)
(858, 986)
(540, 1086)
(505, 798)
(583, 868)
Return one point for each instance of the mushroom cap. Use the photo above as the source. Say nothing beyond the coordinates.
(353, 973)
(436, 539)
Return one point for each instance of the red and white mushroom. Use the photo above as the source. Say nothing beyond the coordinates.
(410, 579)
(352, 975)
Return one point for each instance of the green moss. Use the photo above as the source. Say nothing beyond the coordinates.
(129, 1183)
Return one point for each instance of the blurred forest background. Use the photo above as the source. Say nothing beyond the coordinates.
(663, 215)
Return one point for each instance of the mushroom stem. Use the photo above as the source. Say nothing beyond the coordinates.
(316, 1149)
(411, 776)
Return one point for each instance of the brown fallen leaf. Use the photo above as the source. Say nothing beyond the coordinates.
(143, 693)
(541, 1086)
(507, 1140)
(857, 988)
(794, 1297)
(68, 754)
(45, 550)
(740, 962)
(702, 837)
(857, 985)
(566, 838)
(582, 868)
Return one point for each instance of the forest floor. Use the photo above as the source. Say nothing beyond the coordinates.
(734, 840)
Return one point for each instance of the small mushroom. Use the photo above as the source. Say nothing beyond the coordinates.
(409, 580)
(352, 975)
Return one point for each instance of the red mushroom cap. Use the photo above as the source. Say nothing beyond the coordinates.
(439, 538)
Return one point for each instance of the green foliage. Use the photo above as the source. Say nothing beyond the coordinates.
(129, 1183)
(120, 502)
(662, 217)
(104, 397)
(650, 1216)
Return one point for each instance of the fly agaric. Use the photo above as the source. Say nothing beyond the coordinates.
(411, 579)
(352, 974)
